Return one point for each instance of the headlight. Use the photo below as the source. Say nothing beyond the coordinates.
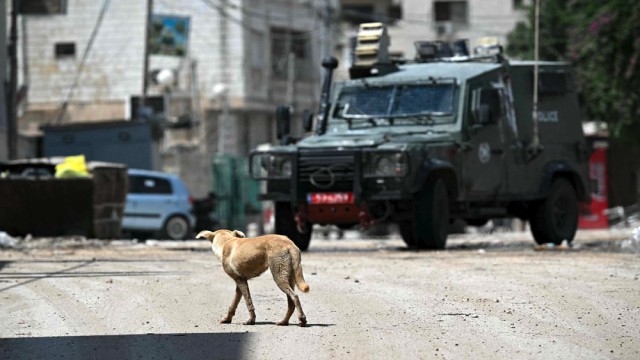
(386, 164)
(270, 166)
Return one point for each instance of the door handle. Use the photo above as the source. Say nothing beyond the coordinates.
(464, 146)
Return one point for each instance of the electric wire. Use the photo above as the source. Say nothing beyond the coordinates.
(85, 56)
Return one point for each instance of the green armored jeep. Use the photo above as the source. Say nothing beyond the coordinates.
(421, 143)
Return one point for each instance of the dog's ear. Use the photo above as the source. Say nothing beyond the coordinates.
(209, 235)
(238, 233)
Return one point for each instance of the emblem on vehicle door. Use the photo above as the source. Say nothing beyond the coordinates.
(484, 153)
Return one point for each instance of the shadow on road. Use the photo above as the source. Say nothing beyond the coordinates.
(145, 346)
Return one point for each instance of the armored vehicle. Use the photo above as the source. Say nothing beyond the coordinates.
(420, 143)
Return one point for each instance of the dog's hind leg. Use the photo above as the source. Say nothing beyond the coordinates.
(244, 289)
(233, 307)
(283, 275)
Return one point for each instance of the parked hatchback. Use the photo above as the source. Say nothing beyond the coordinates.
(158, 203)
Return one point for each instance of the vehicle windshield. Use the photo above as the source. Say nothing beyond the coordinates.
(397, 104)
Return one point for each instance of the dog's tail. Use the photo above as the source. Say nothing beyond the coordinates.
(297, 270)
(205, 234)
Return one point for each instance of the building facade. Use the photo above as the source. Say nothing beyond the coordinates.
(85, 61)
(409, 21)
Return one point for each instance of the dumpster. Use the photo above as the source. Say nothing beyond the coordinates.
(33, 201)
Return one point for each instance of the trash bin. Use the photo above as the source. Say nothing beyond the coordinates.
(33, 201)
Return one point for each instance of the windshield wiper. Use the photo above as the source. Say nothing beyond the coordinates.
(425, 118)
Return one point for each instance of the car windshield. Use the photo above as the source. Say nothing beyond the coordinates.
(398, 104)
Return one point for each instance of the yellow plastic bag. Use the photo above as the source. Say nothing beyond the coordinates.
(72, 166)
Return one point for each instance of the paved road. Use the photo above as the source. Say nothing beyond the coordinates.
(489, 296)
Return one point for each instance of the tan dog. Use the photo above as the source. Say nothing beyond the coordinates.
(245, 258)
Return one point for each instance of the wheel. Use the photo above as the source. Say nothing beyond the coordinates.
(406, 232)
(176, 228)
(428, 226)
(556, 218)
(285, 224)
(477, 222)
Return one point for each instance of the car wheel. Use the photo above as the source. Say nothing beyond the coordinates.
(428, 226)
(285, 224)
(176, 228)
(556, 218)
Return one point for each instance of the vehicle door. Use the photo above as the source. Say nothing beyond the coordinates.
(149, 199)
(484, 158)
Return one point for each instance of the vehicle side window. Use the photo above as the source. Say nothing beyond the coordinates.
(148, 185)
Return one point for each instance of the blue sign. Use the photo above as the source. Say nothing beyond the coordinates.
(169, 35)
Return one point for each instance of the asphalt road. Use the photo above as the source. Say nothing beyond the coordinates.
(489, 296)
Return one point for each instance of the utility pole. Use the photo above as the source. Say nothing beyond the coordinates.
(536, 44)
(326, 18)
(12, 106)
(145, 69)
(290, 56)
(223, 89)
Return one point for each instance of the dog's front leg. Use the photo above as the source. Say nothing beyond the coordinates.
(233, 307)
(244, 289)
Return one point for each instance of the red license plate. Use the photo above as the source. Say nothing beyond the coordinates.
(330, 198)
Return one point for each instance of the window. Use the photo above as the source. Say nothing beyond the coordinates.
(154, 107)
(148, 185)
(356, 14)
(554, 83)
(42, 7)
(451, 11)
(65, 50)
(300, 47)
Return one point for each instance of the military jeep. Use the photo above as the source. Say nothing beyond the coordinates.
(421, 143)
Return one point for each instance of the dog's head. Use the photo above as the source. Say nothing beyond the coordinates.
(211, 235)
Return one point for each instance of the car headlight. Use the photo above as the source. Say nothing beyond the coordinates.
(386, 164)
(271, 166)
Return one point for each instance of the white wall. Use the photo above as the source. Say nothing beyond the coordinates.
(485, 18)
(113, 70)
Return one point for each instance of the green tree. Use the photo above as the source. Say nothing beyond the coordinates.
(602, 41)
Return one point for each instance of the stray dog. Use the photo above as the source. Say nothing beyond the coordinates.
(245, 258)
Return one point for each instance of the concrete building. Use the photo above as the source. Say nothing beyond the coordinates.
(243, 58)
(413, 20)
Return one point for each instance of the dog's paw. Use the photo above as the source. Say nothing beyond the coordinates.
(250, 322)
(282, 323)
(303, 321)
(225, 321)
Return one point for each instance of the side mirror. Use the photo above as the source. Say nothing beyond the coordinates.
(307, 120)
(283, 121)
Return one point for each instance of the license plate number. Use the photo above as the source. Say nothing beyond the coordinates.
(330, 198)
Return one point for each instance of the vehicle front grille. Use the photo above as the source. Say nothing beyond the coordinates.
(326, 169)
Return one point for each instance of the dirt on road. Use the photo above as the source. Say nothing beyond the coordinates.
(489, 296)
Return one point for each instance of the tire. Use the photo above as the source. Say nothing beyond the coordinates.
(176, 228)
(428, 226)
(556, 218)
(406, 232)
(285, 224)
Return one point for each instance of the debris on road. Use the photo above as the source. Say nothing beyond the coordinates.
(7, 241)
